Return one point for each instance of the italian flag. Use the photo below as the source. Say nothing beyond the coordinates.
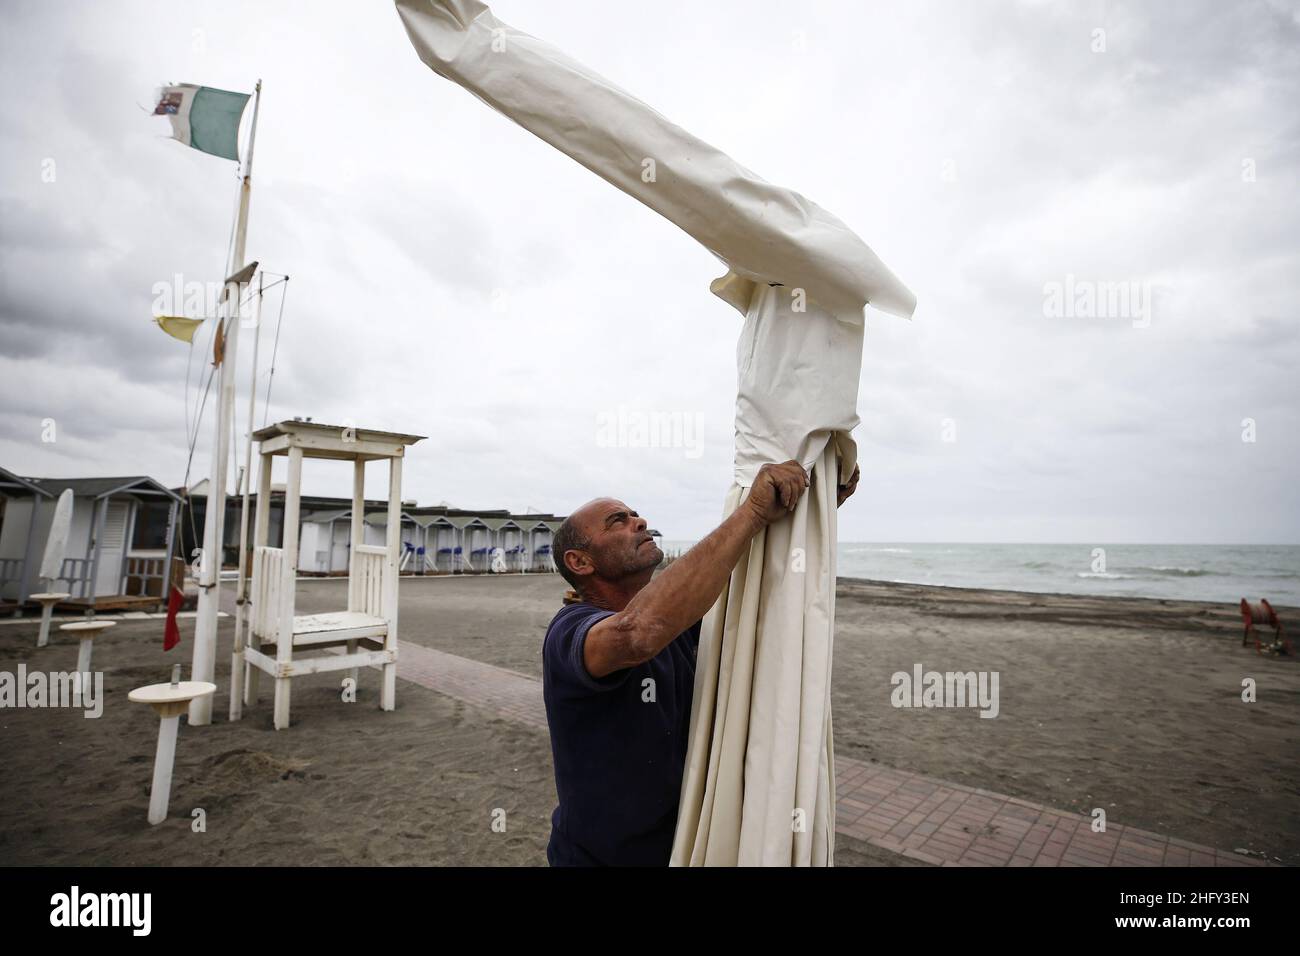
(203, 117)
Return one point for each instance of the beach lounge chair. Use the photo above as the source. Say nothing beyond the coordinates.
(1263, 614)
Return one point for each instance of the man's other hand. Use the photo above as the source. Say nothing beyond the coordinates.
(776, 490)
(846, 490)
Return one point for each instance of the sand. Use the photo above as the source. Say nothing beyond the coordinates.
(1131, 705)
(346, 784)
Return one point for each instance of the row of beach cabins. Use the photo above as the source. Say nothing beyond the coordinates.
(124, 535)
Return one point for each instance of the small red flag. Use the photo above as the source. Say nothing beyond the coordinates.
(172, 633)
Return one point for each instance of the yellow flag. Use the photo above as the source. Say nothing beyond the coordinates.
(178, 327)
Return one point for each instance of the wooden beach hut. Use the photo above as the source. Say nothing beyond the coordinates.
(440, 539)
(534, 532)
(542, 553)
(120, 544)
(504, 535)
(324, 542)
(21, 503)
(471, 552)
(410, 539)
(280, 640)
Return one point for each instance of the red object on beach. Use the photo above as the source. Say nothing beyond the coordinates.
(1263, 613)
(172, 633)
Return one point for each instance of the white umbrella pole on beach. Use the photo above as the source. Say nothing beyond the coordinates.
(759, 781)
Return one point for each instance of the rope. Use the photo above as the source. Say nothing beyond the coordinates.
(193, 442)
(192, 433)
(279, 322)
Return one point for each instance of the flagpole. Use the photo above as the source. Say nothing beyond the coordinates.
(241, 593)
(204, 664)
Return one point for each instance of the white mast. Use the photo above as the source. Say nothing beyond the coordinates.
(203, 667)
(241, 591)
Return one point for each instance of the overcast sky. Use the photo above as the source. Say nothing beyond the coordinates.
(455, 277)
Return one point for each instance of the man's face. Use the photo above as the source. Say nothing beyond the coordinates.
(620, 543)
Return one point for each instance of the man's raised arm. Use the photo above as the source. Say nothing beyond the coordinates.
(687, 588)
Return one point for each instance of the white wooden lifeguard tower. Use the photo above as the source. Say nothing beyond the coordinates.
(367, 629)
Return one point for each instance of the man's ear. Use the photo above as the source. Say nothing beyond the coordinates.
(578, 561)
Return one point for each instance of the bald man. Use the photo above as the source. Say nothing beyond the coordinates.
(618, 669)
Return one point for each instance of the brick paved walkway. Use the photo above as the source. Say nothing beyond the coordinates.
(508, 693)
(931, 821)
(951, 825)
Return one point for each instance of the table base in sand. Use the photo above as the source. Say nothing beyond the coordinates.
(47, 600)
(169, 701)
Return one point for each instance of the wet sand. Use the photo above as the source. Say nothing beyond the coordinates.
(1127, 704)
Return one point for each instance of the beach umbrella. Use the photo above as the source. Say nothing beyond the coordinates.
(759, 781)
(56, 543)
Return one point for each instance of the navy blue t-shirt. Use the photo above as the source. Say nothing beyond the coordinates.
(619, 744)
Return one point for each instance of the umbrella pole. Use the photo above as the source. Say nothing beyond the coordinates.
(160, 793)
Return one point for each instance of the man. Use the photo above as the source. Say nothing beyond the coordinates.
(618, 669)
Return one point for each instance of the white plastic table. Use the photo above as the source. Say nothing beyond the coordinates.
(169, 701)
(48, 600)
(87, 631)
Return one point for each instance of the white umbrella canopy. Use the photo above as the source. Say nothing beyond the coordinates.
(759, 780)
(759, 784)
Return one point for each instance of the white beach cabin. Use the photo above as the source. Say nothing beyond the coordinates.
(440, 537)
(504, 536)
(472, 550)
(323, 546)
(535, 535)
(121, 542)
(20, 501)
(410, 543)
(367, 628)
(542, 557)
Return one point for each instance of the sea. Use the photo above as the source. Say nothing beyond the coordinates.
(1190, 572)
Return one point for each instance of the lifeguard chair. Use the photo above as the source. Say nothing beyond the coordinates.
(367, 629)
